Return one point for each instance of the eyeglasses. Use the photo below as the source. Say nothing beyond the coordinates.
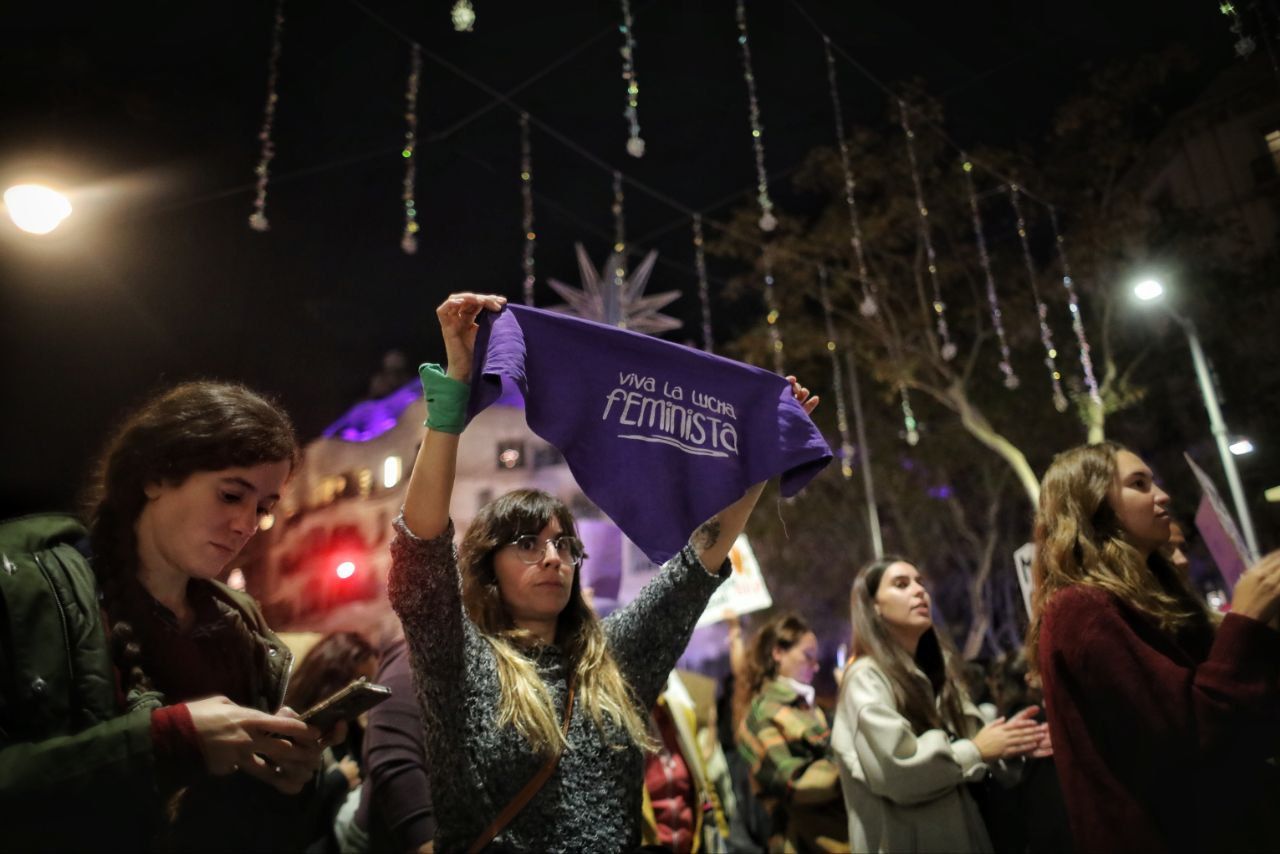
(531, 549)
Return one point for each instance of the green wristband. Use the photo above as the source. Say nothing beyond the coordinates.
(446, 399)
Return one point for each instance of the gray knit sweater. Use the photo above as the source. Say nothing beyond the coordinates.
(592, 802)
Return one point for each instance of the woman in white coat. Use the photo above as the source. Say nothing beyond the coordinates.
(906, 738)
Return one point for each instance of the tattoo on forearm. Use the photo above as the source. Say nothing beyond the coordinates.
(707, 535)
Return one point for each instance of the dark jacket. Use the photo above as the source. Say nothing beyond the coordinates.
(1159, 742)
(76, 764)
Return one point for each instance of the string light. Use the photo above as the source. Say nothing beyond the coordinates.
(868, 306)
(768, 222)
(635, 145)
(704, 292)
(258, 219)
(948, 349)
(409, 240)
(619, 256)
(837, 378)
(619, 222)
(526, 196)
(909, 423)
(771, 304)
(463, 16)
(997, 317)
(1042, 310)
(1245, 45)
(1073, 303)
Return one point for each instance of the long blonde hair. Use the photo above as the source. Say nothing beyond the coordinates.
(526, 704)
(1079, 540)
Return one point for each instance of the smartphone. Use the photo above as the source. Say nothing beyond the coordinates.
(349, 703)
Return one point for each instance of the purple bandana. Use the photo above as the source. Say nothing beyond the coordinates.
(660, 436)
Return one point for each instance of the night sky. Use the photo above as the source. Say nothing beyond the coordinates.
(149, 114)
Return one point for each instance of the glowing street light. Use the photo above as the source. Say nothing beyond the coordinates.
(36, 209)
(1150, 291)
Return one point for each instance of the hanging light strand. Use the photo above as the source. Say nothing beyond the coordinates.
(619, 233)
(635, 144)
(911, 427)
(409, 239)
(704, 291)
(984, 260)
(619, 222)
(768, 222)
(837, 378)
(868, 306)
(1073, 303)
(258, 219)
(1042, 310)
(947, 349)
(526, 198)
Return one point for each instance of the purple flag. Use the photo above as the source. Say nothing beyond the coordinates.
(660, 436)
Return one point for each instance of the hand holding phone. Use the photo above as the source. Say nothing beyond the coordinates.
(348, 704)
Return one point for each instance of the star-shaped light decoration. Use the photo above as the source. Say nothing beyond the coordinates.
(622, 304)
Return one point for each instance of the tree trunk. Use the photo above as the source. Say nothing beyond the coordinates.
(978, 426)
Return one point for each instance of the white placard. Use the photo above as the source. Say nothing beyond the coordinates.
(1022, 559)
(743, 592)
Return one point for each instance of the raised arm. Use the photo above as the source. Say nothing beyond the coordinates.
(649, 634)
(715, 537)
(426, 505)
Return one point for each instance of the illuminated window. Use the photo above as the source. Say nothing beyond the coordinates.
(365, 481)
(392, 469)
(511, 454)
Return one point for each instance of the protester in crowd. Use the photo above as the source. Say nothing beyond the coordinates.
(1031, 816)
(749, 824)
(395, 814)
(521, 686)
(683, 809)
(1175, 550)
(786, 741)
(1162, 718)
(335, 661)
(140, 701)
(907, 738)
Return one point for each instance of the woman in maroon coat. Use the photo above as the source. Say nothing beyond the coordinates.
(1162, 717)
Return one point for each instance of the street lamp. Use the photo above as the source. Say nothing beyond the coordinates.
(1151, 290)
(36, 209)
(1240, 447)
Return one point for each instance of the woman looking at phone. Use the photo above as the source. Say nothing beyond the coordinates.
(517, 677)
(140, 702)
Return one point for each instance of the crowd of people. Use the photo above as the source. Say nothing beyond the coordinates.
(144, 705)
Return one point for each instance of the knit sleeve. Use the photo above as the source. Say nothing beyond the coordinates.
(424, 590)
(649, 634)
(873, 736)
(1185, 712)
